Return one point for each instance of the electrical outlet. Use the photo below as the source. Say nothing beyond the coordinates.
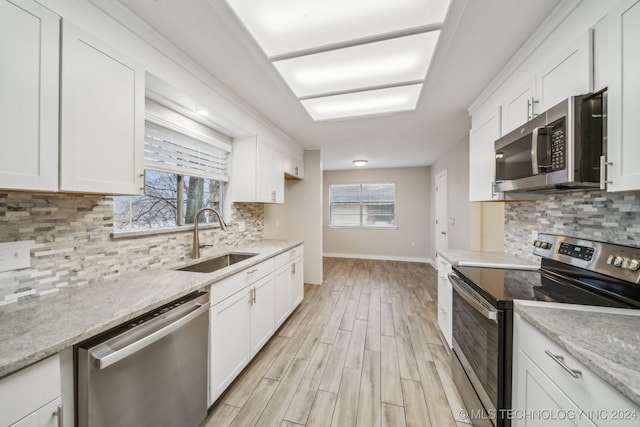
(277, 222)
(15, 255)
(534, 236)
(242, 226)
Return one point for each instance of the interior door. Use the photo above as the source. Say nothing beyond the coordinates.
(442, 212)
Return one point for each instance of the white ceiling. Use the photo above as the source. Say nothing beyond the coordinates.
(468, 56)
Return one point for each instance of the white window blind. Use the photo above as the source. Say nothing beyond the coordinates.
(170, 151)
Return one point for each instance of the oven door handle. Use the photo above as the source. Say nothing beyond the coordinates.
(472, 300)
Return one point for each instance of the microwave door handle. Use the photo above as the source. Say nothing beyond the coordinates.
(534, 151)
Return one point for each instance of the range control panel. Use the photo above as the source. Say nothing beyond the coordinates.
(622, 262)
(576, 251)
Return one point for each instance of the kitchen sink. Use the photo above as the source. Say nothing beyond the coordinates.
(214, 264)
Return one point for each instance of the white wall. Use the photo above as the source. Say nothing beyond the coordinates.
(413, 195)
(300, 217)
(477, 225)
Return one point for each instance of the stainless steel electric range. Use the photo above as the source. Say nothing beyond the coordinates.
(574, 271)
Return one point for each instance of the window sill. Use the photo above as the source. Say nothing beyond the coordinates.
(367, 227)
(152, 232)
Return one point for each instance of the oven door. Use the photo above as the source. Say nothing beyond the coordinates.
(476, 345)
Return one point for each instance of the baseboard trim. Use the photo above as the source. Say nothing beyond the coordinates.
(379, 257)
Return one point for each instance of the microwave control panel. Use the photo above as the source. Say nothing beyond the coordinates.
(557, 148)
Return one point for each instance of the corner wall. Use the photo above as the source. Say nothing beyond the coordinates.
(413, 195)
(300, 217)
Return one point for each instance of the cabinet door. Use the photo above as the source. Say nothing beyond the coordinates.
(264, 172)
(297, 283)
(623, 143)
(277, 177)
(229, 341)
(282, 294)
(102, 117)
(537, 393)
(482, 158)
(570, 73)
(445, 303)
(30, 53)
(519, 108)
(294, 167)
(262, 313)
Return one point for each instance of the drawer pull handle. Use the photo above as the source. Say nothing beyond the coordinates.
(253, 270)
(560, 361)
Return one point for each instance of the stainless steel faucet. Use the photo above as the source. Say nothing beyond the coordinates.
(195, 251)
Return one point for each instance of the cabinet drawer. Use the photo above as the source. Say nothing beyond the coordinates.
(232, 284)
(289, 256)
(29, 389)
(588, 390)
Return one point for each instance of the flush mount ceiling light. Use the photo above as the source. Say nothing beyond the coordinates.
(366, 103)
(360, 163)
(325, 49)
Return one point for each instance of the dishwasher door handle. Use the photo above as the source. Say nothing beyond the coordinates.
(103, 359)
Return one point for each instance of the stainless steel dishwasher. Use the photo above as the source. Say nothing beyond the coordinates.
(151, 371)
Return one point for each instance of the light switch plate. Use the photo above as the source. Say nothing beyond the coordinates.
(241, 226)
(15, 255)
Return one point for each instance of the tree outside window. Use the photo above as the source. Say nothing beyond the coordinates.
(161, 207)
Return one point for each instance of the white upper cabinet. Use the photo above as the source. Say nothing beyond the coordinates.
(293, 167)
(482, 158)
(623, 147)
(253, 173)
(569, 73)
(520, 107)
(101, 117)
(29, 85)
(277, 178)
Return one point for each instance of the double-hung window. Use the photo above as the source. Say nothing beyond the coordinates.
(362, 205)
(186, 167)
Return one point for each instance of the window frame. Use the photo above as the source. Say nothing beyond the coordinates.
(180, 211)
(393, 226)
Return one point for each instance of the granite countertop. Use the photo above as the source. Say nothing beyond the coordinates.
(605, 340)
(39, 327)
(464, 258)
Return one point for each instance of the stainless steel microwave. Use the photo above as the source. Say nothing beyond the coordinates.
(558, 149)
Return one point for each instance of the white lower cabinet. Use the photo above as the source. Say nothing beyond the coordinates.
(47, 416)
(262, 313)
(551, 387)
(246, 309)
(31, 396)
(289, 284)
(445, 300)
(229, 329)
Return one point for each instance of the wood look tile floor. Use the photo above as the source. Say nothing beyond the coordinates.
(363, 349)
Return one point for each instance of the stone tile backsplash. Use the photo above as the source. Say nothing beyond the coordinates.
(73, 244)
(596, 215)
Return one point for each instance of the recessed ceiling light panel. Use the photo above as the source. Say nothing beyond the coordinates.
(371, 102)
(383, 63)
(285, 26)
